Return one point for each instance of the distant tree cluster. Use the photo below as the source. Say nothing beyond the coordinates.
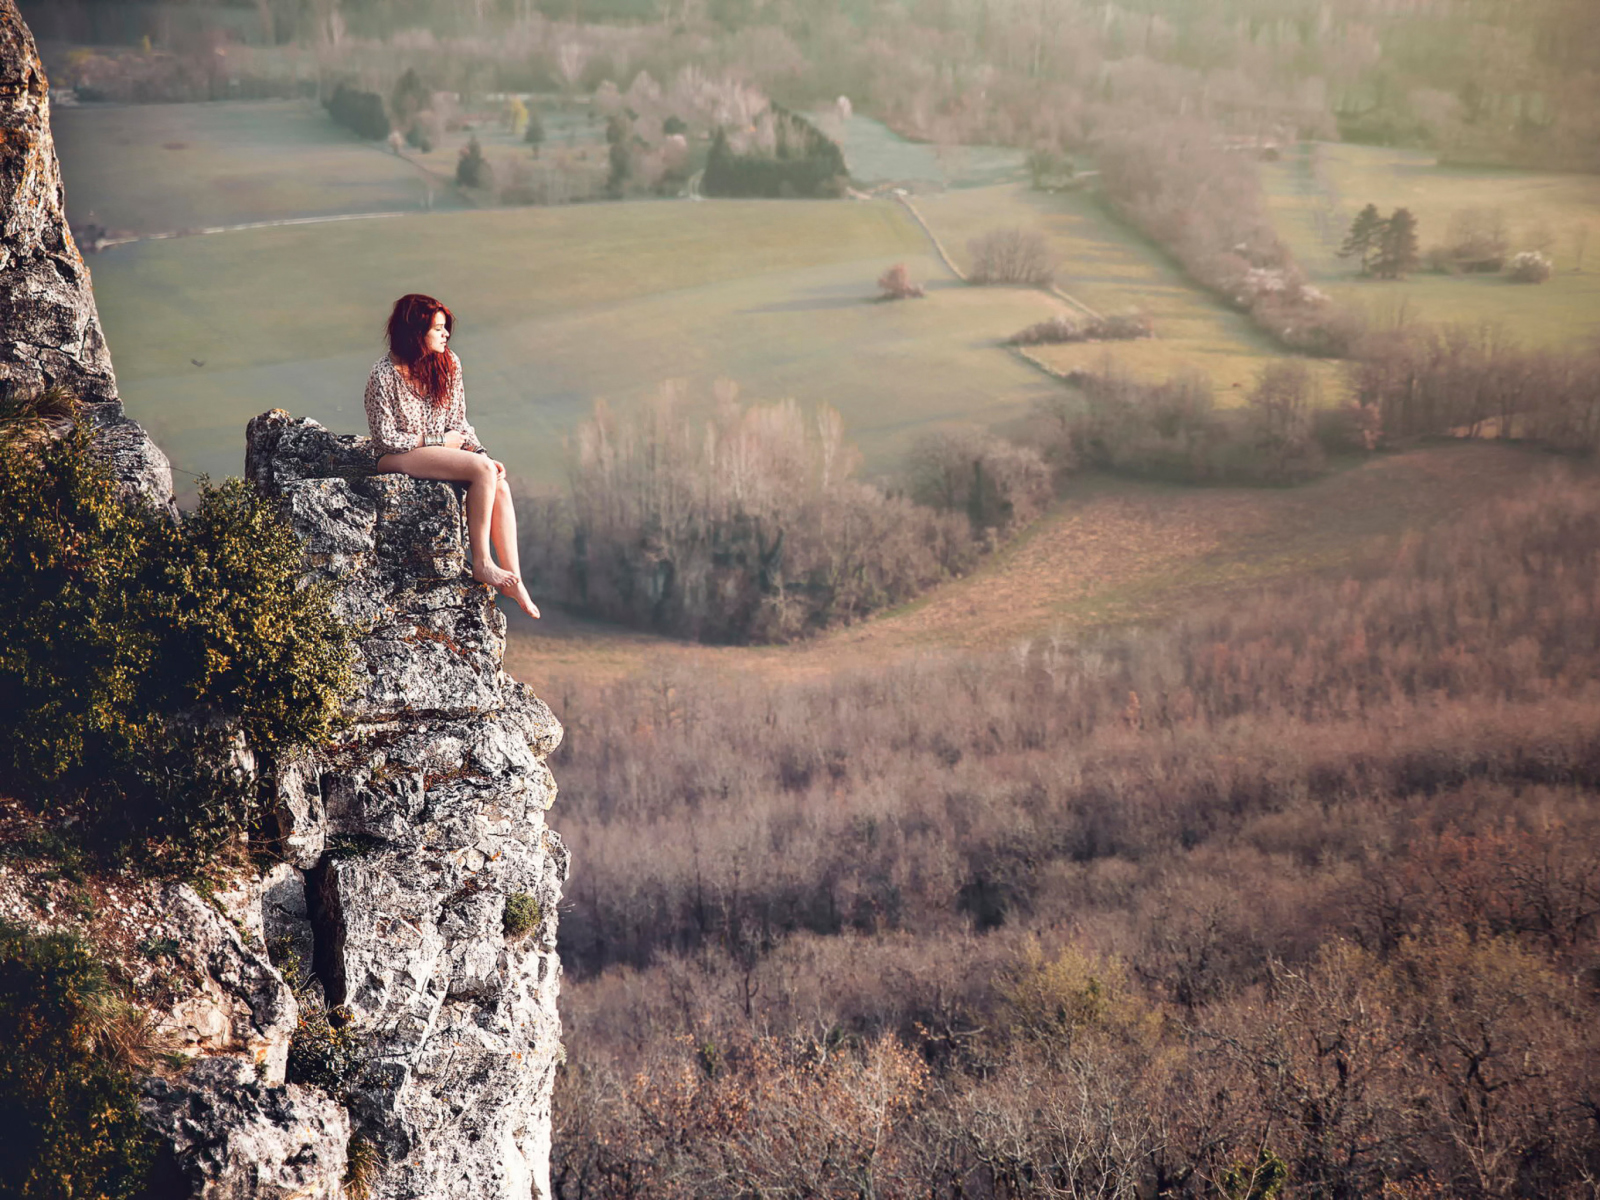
(1530, 266)
(1050, 169)
(472, 169)
(1062, 329)
(1174, 430)
(360, 112)
(411, 105)
(1204, 204)
(895, 284)
(785, 155)
(997, 483)
(746, 526)
(1011, 256)
(1502, 83)
(1384, 246)
(1477, 380)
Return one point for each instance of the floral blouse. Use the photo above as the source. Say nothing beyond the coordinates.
(399, 417)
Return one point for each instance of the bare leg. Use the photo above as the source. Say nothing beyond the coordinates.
(481, 477)
(503, 529)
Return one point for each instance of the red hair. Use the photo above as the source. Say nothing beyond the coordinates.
(431, 373)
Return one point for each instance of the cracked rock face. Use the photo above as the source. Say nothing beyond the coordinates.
(407, 836)
(49, 328)
(228, 1136)
(238, 1003)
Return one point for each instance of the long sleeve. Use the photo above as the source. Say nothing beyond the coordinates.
(458, 409)
(384, 411)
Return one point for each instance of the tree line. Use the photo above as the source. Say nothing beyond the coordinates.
(747, 523)
(1508, 83)
(1203, 203)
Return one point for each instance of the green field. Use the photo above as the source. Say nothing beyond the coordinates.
(1318, 188)
(158, 168)
(877, 155)
(1113, 269)
(558, 307)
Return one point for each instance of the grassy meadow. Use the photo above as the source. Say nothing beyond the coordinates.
(558, 307)
(1317, 189)
(1112, 268)
(158, 168)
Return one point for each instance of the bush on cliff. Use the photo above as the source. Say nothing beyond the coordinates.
(140, 656)
(68, 1101)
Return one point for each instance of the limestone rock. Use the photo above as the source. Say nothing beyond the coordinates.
(402, 841)
(227, 1135)
(49, 328)
(237, 1002)
(414, 828)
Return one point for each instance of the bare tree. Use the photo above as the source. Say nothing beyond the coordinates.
(1015, 255)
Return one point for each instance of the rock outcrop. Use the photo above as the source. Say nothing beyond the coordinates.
(416, 829)
(226, 1133)
(49, 328)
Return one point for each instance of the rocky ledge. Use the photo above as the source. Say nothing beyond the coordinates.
(405, 839)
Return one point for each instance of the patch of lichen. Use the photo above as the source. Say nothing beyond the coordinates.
(140, 655)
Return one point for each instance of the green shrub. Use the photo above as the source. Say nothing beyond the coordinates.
(136, 652)
(521, 915)
(68, 1107)
(323, 1052)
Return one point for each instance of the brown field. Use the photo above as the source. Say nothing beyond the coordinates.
(1110, 552)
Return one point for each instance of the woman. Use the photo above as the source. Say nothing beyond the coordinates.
(417, 409)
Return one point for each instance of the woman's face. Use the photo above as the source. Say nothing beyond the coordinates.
(437, 337)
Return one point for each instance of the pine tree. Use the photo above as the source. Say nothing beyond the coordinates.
(410, 97)
(472, 169)
(1397, 249)
(1365, 232)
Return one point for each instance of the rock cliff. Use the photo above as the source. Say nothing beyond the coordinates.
(414, 892)
(49, 329)
(415, 875)
(407, 838)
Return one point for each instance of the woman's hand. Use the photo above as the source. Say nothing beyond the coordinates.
(455, 440)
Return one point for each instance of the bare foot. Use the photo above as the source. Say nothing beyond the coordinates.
(519, 593)
(496, 577)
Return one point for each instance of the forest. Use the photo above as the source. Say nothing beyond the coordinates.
(1295, 896)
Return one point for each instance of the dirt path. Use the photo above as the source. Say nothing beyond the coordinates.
(1112, 552)
(107, 243)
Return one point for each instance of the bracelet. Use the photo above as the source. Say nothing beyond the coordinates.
(429, 439)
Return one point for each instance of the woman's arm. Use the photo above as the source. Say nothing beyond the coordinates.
(458, 410)
(383, 409)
